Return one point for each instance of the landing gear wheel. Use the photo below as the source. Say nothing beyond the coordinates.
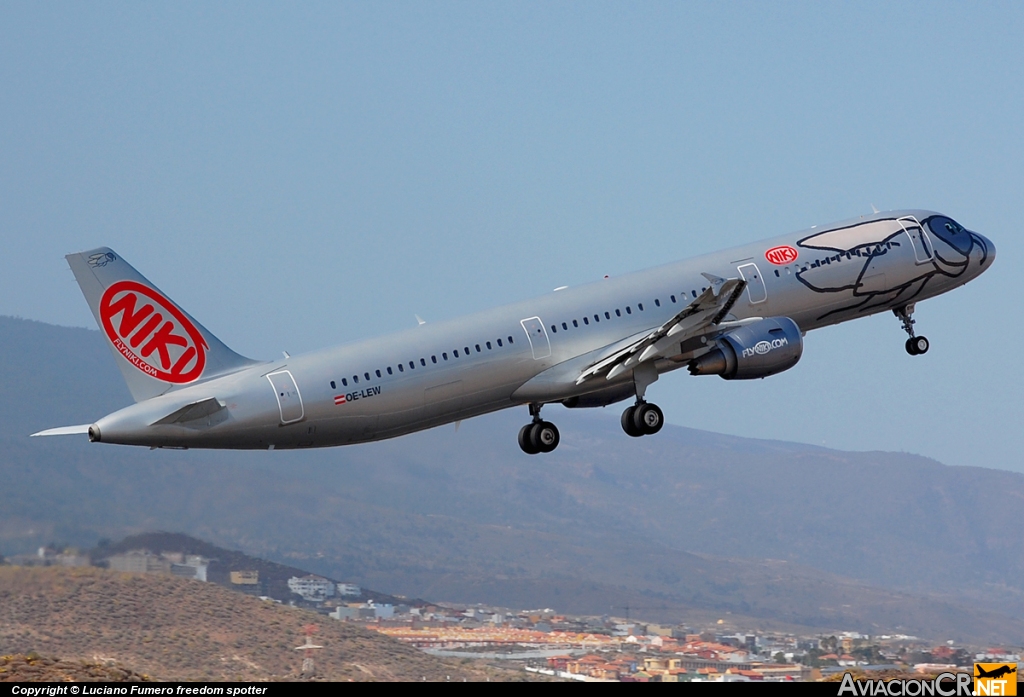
(544, 436)
(525, 441)
(628, 424)
(647, 418)
(917, 345)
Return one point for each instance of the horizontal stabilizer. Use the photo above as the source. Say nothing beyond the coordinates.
(64, 431)
(193, 411)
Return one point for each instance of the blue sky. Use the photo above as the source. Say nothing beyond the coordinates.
(301, 176)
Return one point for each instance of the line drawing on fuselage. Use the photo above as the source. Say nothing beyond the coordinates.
(740, 314)
(869, 243)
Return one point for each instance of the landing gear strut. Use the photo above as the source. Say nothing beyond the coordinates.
(538, 436)
(916, 345)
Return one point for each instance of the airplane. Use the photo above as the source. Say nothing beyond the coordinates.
(994, 673)
(740, 314)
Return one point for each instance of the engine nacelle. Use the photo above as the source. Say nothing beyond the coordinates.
(754, 351)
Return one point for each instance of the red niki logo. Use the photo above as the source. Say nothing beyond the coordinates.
(152, 333)
(782, 255)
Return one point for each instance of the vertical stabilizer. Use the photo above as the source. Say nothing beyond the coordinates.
(157, 345)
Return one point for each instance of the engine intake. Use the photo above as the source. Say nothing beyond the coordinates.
(755, 351)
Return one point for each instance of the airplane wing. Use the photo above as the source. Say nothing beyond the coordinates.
(709, 308)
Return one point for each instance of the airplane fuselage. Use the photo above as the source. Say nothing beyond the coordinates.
(529, 352)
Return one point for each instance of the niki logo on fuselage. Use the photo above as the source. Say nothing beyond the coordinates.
(152, 333)
(354, 396)
(886, 262)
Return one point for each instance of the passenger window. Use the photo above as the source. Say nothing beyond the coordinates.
(367, 375)
(597, 318)
(628, 310)
(586, 321)
(444, 355)
(455, 353)
(488, 345)
(565, 326)
(412, 364)
(478, 348)
(399, 368)
(378, 372)
(607, 315)
(672, 298)
(641, 306)
(391, 372)
(510, 340)
(499, 342)
(355, 379)
(554, 330)
(617, 313)
(344, 381)
(657, 303)
(466, 350)
(423, 362)
(575, 323)
(433, 359)
(333, 386)
(694, 293)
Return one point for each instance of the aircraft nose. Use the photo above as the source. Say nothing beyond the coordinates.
(988, 252)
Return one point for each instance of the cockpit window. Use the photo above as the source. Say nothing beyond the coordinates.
(951, 232)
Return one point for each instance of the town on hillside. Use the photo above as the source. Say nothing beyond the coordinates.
(543, 641)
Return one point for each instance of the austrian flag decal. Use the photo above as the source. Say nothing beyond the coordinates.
(781, 255)
(154, 335)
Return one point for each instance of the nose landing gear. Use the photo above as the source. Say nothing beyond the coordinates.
(916, 345)
(538, 436)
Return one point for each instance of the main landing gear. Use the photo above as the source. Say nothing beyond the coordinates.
(642, 419)
(538, 436)
(916, 345)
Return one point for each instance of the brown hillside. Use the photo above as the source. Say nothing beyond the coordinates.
(171, 628)
(35, 668)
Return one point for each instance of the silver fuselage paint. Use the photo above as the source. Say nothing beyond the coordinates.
(842, 272)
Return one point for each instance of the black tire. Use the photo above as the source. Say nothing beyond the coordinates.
(627, 423)
(910, 347)
(648, 419)
(544, 436)
(921, 345)
(525, 441)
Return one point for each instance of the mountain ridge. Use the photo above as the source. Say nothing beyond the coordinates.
(686, 516)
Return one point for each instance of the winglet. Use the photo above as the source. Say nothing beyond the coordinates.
(716, 283)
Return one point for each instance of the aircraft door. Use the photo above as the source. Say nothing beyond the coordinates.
(756, 291)
(918, 239)
(289, 401)
(537, 336)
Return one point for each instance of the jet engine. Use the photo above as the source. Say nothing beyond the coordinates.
(754, 351)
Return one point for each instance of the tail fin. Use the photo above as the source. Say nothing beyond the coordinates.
(157, 345)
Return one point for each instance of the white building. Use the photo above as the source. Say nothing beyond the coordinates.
(349, 589)
(312, 588)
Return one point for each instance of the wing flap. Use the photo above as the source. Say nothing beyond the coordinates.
(709, 308)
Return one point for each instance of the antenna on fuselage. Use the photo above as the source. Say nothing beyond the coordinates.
(873, 209)
(420, 320)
